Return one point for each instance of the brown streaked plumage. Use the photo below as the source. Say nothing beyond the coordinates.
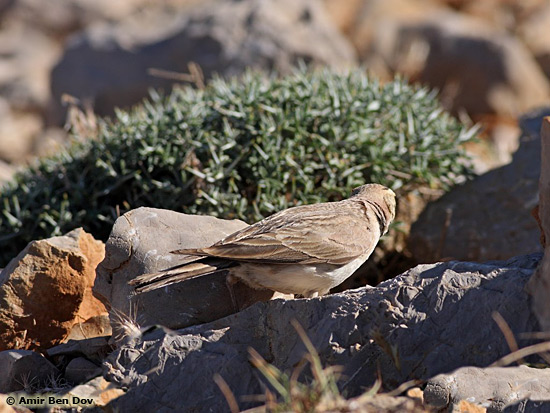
(306, 250)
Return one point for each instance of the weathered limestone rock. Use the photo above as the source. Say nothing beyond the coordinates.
(432, 319)
(489, 217)
(140, 242)
(493, 388)
(46, 289)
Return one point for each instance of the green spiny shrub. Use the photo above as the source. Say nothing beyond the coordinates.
(243, 148)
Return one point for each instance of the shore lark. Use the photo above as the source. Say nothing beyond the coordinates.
(305, 250)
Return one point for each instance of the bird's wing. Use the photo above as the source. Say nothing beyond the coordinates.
(333, 234)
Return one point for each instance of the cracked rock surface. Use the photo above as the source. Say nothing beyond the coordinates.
(432, 319)
(493, 388)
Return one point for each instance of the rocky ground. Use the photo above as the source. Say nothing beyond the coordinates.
(490, 60)
(440, 336)
(436, 338)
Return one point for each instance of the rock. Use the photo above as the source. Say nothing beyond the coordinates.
(493, 387)
(345, 14)
(17, 131)
(382, 403)
(28, 57)
(5, 407)
(24, 370)
(6, 172)
(80, 370)
(540, 284)
(476, 68)
(527, 405)
(46, 289)
(108, 64)
(430, 320)
(98, 389)
(140, 242)
(535, 32)
(488, 218)
(372, 16)
(96, 326)
(94, 349)
(63, 17)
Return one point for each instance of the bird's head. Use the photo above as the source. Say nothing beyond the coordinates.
(381, 196)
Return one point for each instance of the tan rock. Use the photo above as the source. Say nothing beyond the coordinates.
(46, 289)
(4, 406)
(17, 132)
(96, 326)
(535, 32)
(6, 171)
(344, 13)
(99, 389)
(477, 68)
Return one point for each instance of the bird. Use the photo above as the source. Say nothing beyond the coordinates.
(303, 250)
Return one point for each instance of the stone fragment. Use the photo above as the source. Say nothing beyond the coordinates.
(80, 370)
(98, 389)
(46, 289)
(493, 388)
(25, 370)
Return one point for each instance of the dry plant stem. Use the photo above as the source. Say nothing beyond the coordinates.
(507, 332)
(524, 352)
(227, 393)
(195, 75)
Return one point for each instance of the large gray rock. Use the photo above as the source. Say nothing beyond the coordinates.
(25, 369)
(432, 319)
(494, 388)
(488, 218)
(108, 65)
(140, 243)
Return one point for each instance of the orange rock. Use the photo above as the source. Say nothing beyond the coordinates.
(467, 407)
(46, 289)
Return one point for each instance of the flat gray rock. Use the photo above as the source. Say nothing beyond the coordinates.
(430, 320)
(494, 388)
(140, 243)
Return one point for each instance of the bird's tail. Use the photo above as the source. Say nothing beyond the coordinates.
(178, 273)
